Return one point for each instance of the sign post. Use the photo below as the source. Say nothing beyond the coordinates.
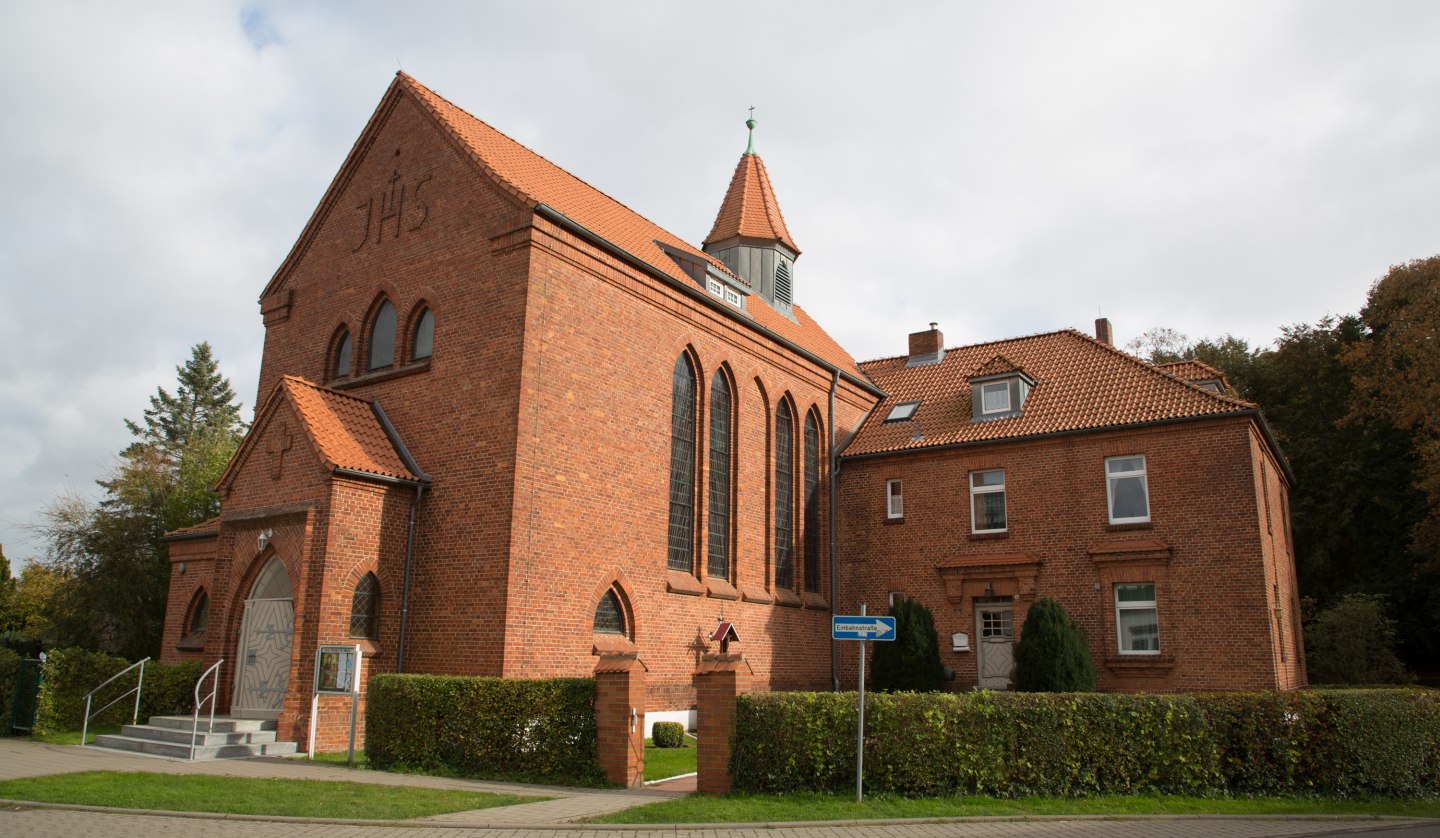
(861, 628)
(337, 672)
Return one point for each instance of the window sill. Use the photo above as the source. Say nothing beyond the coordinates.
(382, 374)
(368, 648)
(680, 582)
(192, 642)
(612, 644)
(989, 536)
(816, 601)
(899, 520)
(787, 598)
(756, 594)
(1141, 665)
(1139, 525)
(720, 589)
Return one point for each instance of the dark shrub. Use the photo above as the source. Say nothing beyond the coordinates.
(71, 673)
(1353, 642)
(1052, 655)
(910, 662)
(668, 734)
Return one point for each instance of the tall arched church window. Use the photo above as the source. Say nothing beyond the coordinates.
(609, 616)
(682, 467)
(720, 413)
(812, 505)
(784, 497)
(424, 342)
(365, 608)
(382, 337)
(341, 366)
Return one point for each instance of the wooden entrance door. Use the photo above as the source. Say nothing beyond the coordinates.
(995, 628)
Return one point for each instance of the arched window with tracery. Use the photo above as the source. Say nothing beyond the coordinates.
(382, 337)
(812, 503)
(365, 608)
(784, 496)
(682, 467)
(199, 614)
(423, 342)
(720, 440)
(344, 349)
(610, 615)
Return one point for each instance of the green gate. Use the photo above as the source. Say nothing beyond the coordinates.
(27, 687)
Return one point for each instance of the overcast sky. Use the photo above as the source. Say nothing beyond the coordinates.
(1001, 168)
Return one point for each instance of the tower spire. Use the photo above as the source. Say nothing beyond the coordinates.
(750, 123)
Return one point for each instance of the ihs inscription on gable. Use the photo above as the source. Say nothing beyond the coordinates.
(399, 205)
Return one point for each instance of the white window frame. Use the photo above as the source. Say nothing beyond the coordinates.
(986, 388)
(894, 499)
(1138, 605)
(1112, 477)
(988, 490)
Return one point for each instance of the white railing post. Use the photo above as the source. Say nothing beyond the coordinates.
(85, 726)
(195, 717)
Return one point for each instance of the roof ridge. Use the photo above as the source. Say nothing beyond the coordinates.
(1155, 368)
(964, 346)
(322, 388)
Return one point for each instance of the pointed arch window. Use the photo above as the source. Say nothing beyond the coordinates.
(424, 341)
(365, 608)
(682, 467)
(609, 616)
(382, 337)
(343, 351)
(199, 614)
(784, 497)
(719, 519)
(812, 505)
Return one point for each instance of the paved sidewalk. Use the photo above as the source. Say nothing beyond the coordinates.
(22, 758)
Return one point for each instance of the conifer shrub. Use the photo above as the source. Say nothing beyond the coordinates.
(668, 734)
(1052, 654)
(1353, 642)
(910, 662)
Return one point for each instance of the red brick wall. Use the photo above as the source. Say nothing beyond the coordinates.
(1214, 586)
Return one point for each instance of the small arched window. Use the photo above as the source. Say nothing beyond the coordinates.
(199, 614)
(343, 351)
(424, 342)
(382, 337)
(609, 616)
(682, 467)
(784, 497)
(365, 607)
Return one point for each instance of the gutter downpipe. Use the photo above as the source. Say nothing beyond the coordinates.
(834, 598)
(420, 485)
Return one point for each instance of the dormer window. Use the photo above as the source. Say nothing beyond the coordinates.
(998, 390)
(901, 412)
(995, 397)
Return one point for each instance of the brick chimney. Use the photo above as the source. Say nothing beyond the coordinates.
(926, 347)
(1102, 331)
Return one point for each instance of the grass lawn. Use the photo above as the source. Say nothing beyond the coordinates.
(247, 796)
(821, 807)
(338, 757)
(72, 737)
(661, 763)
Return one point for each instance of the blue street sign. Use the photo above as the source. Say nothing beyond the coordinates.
(862, 628)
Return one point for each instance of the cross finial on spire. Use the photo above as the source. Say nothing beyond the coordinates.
(750, 123)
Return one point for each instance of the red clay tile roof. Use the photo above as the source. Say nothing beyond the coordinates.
(1080, 384)
(535, 180)
(342, 429)
(999, 365)
(750, 208)
(1194, 371)
(202, 528)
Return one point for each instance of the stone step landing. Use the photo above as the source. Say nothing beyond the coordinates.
(227, 738)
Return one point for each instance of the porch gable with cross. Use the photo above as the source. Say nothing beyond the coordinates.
(278, 445)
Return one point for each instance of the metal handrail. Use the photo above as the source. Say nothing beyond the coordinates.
(85, 727)
(195, 717)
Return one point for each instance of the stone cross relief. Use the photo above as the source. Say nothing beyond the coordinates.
(279, 444)
(399, 200)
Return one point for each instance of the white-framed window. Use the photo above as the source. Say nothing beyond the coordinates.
(987, 501)
(1126, 490)
(894, 500)
(902, 411)
(1137, 623)
(714, 286)
(995, 397)
(732, 297)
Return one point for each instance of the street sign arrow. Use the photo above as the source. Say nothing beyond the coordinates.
(862, 628)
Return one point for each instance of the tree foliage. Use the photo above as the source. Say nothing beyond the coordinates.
(910, 662)
(111, 564)
(1353, 642)
(1052, 654)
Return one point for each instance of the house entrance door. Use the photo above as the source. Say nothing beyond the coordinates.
(995, 628)
(266, 633)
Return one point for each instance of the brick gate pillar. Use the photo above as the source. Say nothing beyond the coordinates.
(718, 681)
(620, 718)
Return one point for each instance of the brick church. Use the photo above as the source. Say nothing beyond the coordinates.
(506, 424)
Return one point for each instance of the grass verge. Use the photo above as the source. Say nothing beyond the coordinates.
(248, 796)
(72, 737)
(661, 763)
(819, 807)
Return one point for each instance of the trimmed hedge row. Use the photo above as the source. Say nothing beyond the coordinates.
(1345, 743)
(490, 728)
(9, 666)
(71, 673)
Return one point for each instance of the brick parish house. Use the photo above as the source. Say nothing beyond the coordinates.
(507, 424)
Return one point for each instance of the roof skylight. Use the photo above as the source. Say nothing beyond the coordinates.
(902, 411)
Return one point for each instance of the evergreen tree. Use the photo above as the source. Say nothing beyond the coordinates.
(203, 399)
(1052, 655)
(910, 662)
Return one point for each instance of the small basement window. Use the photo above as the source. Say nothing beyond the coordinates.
(902, 411)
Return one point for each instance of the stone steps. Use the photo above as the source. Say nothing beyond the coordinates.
(227, 738)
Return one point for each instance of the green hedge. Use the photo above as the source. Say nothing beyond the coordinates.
(1345, 743)
(9, 666)
(491, 728)
(71, 673)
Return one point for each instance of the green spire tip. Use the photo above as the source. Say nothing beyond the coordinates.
(750, 123)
